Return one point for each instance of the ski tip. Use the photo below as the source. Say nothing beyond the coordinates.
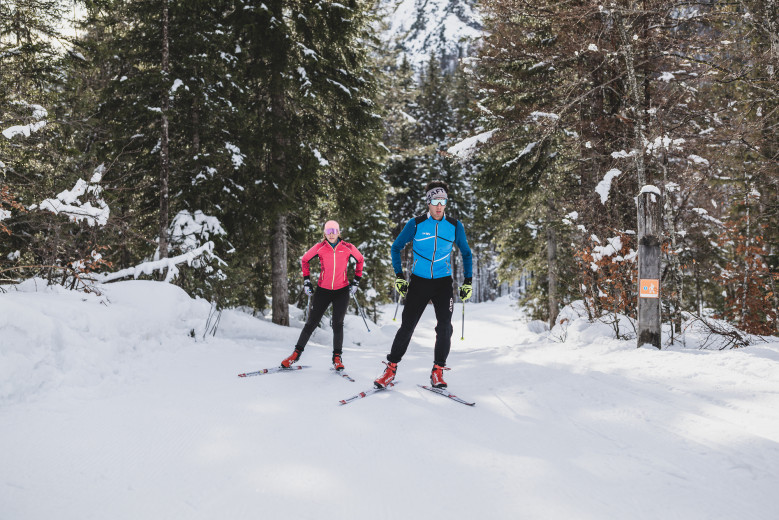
(241, 375)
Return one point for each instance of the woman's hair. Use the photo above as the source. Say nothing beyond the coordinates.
(437, 184)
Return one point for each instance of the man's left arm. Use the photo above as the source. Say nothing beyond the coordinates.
(465, 251)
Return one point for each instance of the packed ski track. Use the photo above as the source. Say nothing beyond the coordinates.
(110, 408)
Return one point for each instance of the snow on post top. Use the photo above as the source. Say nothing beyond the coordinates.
(649, 188)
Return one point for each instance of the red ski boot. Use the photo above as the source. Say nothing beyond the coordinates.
(337, 364)
(291, 359)
(388, 375)
(437, 376)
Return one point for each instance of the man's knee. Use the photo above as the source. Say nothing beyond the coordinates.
(444, 329)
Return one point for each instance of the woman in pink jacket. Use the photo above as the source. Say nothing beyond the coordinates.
(333, 287)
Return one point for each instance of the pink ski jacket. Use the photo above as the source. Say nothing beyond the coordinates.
(333, 263)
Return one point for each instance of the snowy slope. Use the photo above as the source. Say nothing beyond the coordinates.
(420, 28)
(110, 409)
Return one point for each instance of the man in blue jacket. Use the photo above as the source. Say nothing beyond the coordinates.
(433, 237)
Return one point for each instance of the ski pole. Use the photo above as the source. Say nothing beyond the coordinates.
(362, 313)
(462, 336)
(394, 318)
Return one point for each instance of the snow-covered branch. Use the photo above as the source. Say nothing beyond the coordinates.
(171, 264)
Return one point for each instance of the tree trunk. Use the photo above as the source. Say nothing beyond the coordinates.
(636, 98)
(279, 281)
(747, 244)
(278, 173)
(164, 144)
(195, 126)
(674, 268)
(649, 226)
(551, 256)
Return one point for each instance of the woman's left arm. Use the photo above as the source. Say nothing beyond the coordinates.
(360, 260)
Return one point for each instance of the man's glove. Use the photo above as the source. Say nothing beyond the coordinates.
(466, 290)
(307, 287)
(354, 286)
(401, 285)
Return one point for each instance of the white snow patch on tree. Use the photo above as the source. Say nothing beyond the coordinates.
(664, 143)
(67, 202)
(237, 156)
(25, 130)
(322, 160)
(467, 147)
(547, 115)
(604, 186)
(176, 85)
(697, 159)
(171, 264)
(189, 230)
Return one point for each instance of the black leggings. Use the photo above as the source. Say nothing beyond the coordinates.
(322, 298)
(421, 291)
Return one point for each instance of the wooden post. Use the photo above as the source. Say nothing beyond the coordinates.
(649, 241)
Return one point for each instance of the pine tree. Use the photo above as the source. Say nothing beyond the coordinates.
(35, 153)
(312, 115)
(159, 121)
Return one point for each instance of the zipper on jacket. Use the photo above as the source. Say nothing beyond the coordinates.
(332, 286)
(435, 247)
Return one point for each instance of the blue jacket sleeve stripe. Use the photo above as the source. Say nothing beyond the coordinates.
(465, 250)
(405, 236)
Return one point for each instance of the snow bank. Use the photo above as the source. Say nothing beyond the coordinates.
(52, 336)
(111, 409)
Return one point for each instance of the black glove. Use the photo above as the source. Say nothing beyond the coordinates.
(354, 286)
(401, 285)
(307, 288)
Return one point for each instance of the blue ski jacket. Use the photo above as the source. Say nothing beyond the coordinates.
(433, 242)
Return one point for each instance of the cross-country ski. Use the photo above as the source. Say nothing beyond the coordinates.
(366, 393)
(342, 374)
(446, 393)
(273, 370)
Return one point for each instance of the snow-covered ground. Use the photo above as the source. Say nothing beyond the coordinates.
(109, 408)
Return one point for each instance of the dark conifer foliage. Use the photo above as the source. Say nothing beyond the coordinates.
(591, 103)
(223, 134)
(312, 123)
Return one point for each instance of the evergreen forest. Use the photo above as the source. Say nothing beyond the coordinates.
(205, 143)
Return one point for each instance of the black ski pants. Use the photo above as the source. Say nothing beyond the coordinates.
(421, 291)
(322, 299)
